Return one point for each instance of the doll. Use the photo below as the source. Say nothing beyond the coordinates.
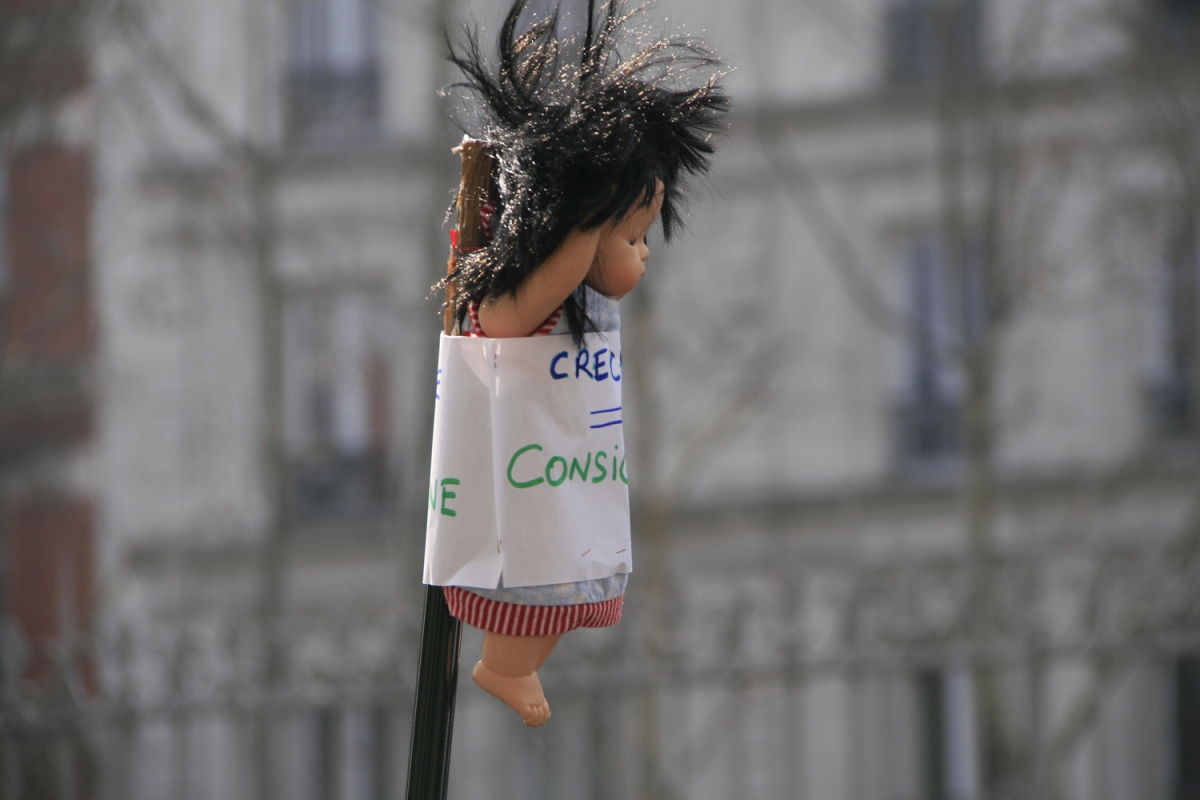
(592, 147)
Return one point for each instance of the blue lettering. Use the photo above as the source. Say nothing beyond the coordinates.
(619, 360)
(581, 363)
(598, 364)
(558, 376)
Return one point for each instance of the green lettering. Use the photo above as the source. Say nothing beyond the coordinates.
(614, 477)
(623, 472)
(433, 496)
(550, 465)
(583, 471)
(513, 462)
(600, 466)
(449, 495)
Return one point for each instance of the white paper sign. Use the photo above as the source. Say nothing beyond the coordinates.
(528, 479)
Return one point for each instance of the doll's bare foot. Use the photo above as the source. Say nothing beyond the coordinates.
(522, 694)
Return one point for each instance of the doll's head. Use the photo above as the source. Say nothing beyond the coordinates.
(622, 252)
(584, 136)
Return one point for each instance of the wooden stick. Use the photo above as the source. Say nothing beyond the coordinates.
(473, 191)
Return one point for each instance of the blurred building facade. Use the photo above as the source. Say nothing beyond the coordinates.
(916, 499)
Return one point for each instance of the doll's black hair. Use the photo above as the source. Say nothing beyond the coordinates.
(582, 134)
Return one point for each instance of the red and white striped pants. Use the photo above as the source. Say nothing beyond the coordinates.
(512, 619)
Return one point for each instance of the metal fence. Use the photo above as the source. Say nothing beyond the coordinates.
(765, 686)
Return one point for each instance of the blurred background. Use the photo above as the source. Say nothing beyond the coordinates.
(913, 410)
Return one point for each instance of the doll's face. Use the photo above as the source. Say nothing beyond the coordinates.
(621, 255)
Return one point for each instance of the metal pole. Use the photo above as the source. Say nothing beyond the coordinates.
(433, 717)
(441, 634)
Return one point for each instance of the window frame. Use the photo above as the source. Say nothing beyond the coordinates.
(933, 40)
(332, 100)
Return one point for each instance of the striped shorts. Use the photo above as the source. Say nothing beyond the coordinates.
(511, 619)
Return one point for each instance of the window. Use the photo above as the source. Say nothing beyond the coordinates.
(1173, 26)
(325, 761)
(1182, 11)
(337, 396)
(1172, 389)
(933, 39)
(50, 571)
(333, 81)
(1187, 728)
(946, 717)
(48, 317)
(945, 310)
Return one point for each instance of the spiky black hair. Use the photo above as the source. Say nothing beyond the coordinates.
(579, 142)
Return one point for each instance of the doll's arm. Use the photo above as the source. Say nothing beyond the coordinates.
(544, 290)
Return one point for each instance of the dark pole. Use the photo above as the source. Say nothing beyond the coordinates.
(433, 717)
(441, 634)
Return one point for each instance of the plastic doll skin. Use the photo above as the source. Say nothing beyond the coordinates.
(611, 259)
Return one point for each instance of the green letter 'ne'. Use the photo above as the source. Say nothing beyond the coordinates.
(448, 495)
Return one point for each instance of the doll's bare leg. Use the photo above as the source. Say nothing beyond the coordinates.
(508, 672)
(547, 648)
